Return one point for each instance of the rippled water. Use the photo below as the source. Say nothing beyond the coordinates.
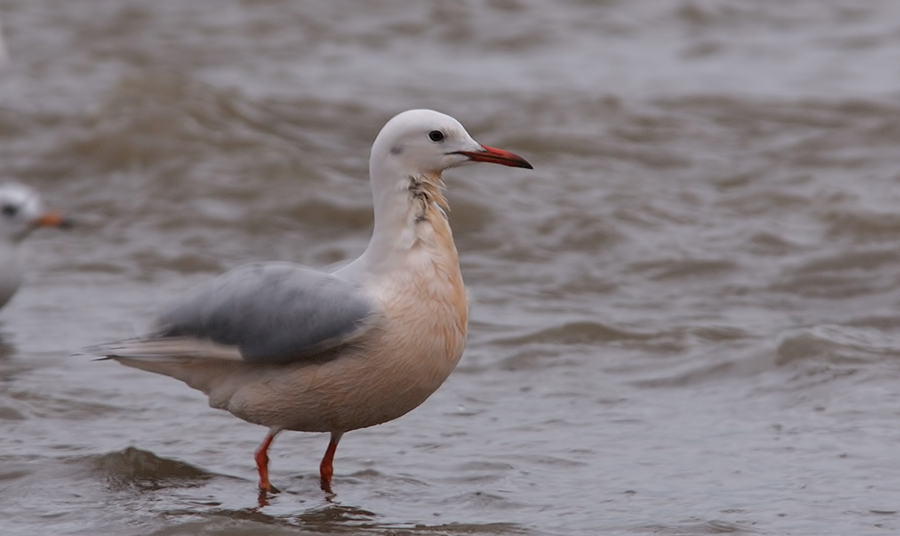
(686, 320)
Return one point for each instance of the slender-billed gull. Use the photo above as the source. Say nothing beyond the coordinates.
(294, 348)
(21, 212)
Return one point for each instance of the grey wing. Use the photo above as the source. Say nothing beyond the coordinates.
(272, 313)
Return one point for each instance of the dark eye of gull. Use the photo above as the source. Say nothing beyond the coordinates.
(436, 135)
(10, 210)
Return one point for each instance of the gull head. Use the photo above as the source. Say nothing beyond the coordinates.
(419, 142)
(22, 211)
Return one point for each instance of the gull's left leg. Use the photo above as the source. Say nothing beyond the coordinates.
(326, 468)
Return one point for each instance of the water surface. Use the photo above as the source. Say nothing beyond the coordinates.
(686, 320)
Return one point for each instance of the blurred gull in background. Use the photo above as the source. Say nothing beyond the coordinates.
(293, 348)
(21, 212)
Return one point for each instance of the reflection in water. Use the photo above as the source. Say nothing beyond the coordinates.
(340, 519)
(190, 497)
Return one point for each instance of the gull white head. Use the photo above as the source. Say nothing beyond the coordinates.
(415, 147)
(424, 141)
(22, 211)
(408, 157)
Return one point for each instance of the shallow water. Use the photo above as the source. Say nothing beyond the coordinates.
(686, 320)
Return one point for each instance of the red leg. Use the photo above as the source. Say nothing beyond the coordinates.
(326, 468)
(262, 461)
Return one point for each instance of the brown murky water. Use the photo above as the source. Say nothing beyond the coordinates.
(686, 320)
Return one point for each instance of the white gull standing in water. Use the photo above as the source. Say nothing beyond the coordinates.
(293, 348)
(21, 212)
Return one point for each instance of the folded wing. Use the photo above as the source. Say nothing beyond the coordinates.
(260, 313)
